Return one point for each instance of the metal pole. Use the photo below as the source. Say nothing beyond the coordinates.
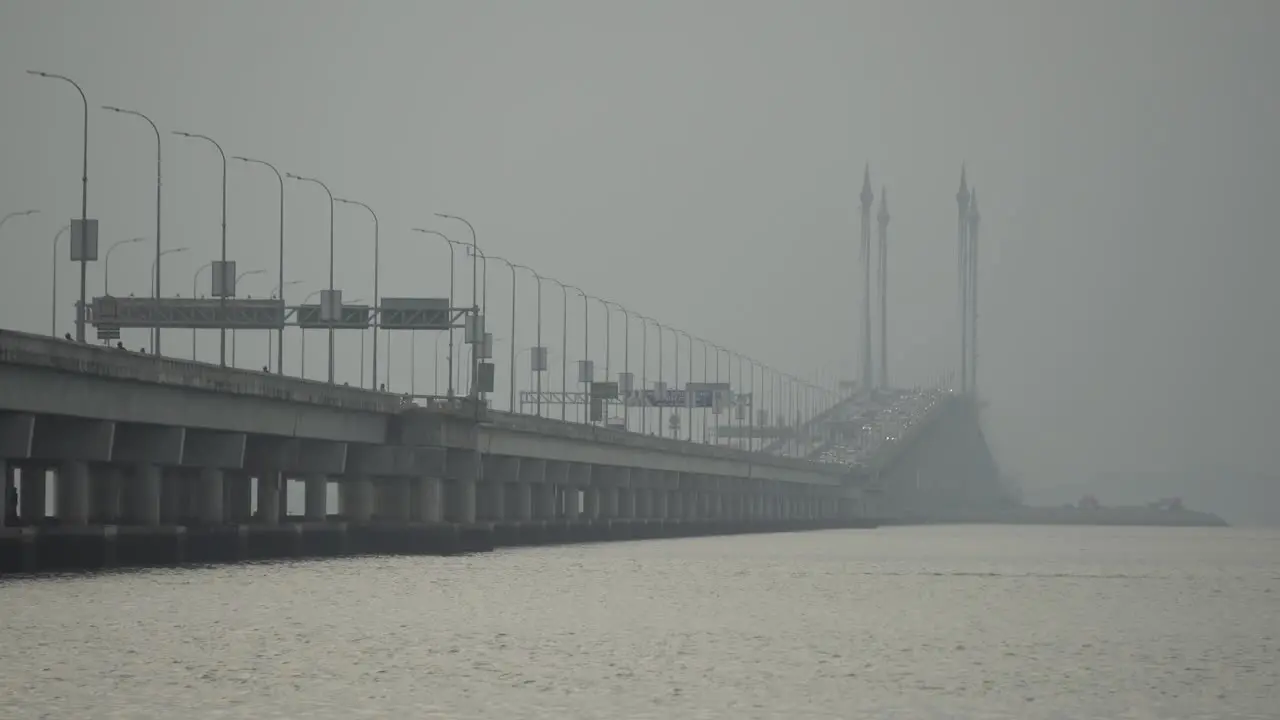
(84, 198)
(644, 373)
(222, 299)
(564, 349)
(155, 331)
(376, 312)
(449, 243)
(331, 204)
(512, 267)
(280, 279)
(688, 396)
(53, 307)
(106, 263)
(473, 393)
(194, 283)
(586, 356)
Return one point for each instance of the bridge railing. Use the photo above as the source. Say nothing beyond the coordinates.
(120, 364)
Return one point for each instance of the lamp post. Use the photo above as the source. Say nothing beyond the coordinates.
(538, 340)
(484, 289)
(84, 198)
(279, 293)
(243, 274)
(155, 332)
(644, 371)
(564, 349)
(688, 396)
(155, 265)
(280, 280)
(512, 401)
(16, 213)
(376, 266)
(222, 297)
(302, 362)
(53, 307)
(475, 355)
(331, 202)
(449, 243)
(106, 263)
(626, 350)
(194, 293)
(586, 359)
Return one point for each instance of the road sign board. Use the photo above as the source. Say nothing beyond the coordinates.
(353, 316)
(84, 240)
(604, 390)
(414, 314)
(201, 313)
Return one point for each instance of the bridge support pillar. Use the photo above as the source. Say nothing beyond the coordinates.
(172, 497)
(141, 495)
(591, 502)
(544, 501)
(426, 496)
(609, 502)
(463, 501)
(8, 492)
(209, 498)
(658, 504)
(627, 502)
(34, 497)
(519, 502)
(356, 498)
(673, 500)
(394, 499)
(73, 493)
(237, 496)
(316, 498)
(106, 495)
(269, 489)
(492, 500)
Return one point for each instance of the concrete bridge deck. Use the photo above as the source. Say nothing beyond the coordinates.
(153, 447)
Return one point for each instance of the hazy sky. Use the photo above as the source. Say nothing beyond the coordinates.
(699, 162)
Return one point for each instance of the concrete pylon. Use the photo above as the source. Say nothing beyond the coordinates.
(962, 203)
(883, 219)
(866, 198)
(974, 219)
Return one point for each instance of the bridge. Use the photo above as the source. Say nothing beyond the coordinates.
(113, 457)
(161, 460)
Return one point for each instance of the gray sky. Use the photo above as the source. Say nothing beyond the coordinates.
(699, 162)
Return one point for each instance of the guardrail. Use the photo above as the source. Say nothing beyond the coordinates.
(56, 354)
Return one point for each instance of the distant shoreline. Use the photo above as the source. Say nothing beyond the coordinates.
(1026, 515)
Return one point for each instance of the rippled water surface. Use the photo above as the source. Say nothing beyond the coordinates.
(937, 622)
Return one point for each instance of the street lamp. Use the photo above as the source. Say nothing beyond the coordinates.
(243, 274)
(53, 307)
(84, 199)
(449, 243)
(106, 263)
(331, 201)
(155, 292)
(280, 180)
(194, 293)
(155, 340)
(475, 355)
(564, 349)
(376, 313)
(512, 266)
(302, 363)
(279, 293)
(222, 296)
(538, 340)
(688, 396)
(17, 213)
